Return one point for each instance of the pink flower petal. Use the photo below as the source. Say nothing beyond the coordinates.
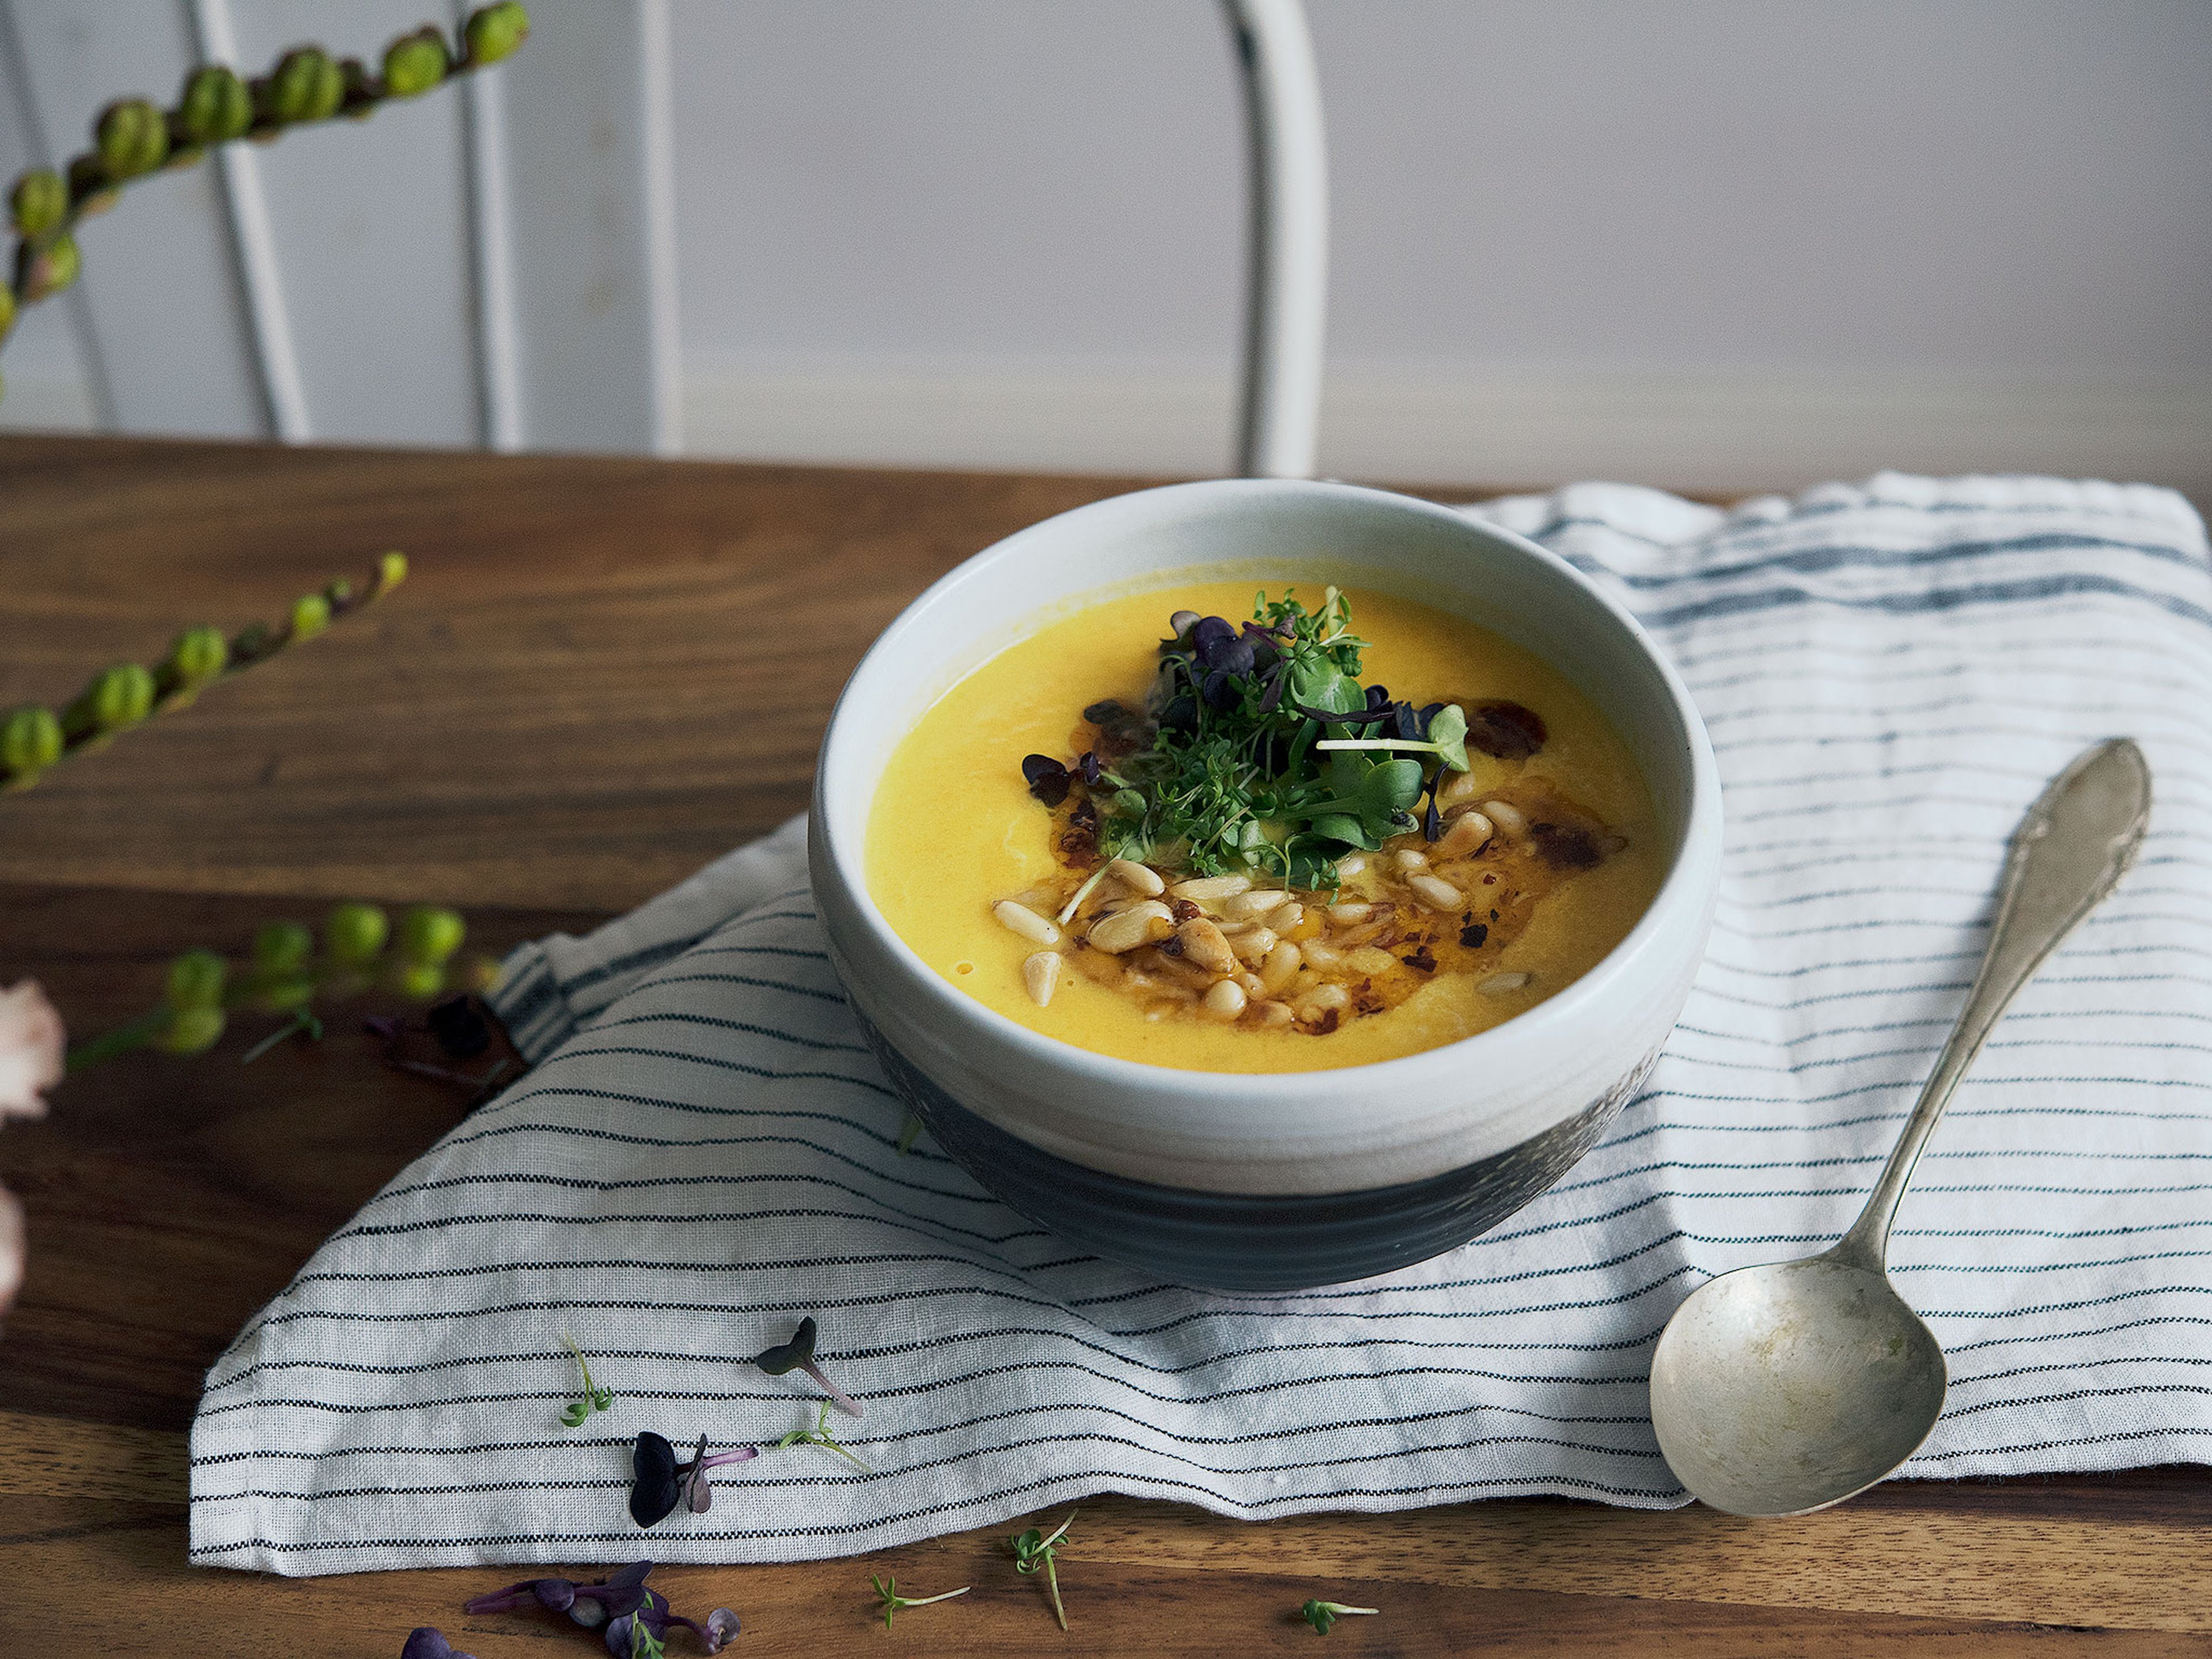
(31, 1049)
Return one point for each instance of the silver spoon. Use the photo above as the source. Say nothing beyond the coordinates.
(1782, 1389)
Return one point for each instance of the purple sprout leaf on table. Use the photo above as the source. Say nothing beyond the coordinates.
(588, 1605)
(798, 1354)
(428, 1642)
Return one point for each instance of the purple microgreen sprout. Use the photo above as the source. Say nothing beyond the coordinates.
(301, 1020)
(798, 1354)
(1034, 1551)
(1321, 1614)
(589, 1605)
(819, 1435)
(697, 1491)
(887, 1593)
(595, 1399)
(428, 1642)
(632, 1636)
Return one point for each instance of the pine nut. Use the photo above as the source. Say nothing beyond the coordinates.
(1291, 921)
(1351, 865)
(1458, 789)
(1190, 975)
(1203, 944)
(1435, 892)
(1252, 984)
(1211, 890)
(1469, 833)
(1498, 985)
(1137, 877)
(1272, 1016)
(1350, 914)
(1020, 918)
(1041, 973)
(1252, 946)
(1244, 906)
(1370, 960)
(1364, 935)
(1225, 1001)
(1507, 817)
(1320, 1000)
(1407, 859)
(1322, 958)
(1281, 967)
(1125, 930)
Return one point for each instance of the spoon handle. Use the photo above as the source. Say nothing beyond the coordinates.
(2071, 849)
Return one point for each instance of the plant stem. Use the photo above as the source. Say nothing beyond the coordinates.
(120, 1041)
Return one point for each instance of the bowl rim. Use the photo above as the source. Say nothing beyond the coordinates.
(1683, 900)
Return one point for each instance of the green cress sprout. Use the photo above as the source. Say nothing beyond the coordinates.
(1260, 752)
(798, 1354)
(33, 739)
(135, 138)
(1034, 1551)
(1321, 1614)
(819, 1435)
(887, 1593)
(594, 1399)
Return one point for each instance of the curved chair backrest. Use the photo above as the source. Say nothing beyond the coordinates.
(535, 305)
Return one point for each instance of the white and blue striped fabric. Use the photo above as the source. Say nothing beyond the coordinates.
(707, 1151)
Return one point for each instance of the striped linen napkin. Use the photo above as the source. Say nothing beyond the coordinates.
(706, 1149)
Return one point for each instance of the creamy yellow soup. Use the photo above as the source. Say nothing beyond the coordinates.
(954, 829)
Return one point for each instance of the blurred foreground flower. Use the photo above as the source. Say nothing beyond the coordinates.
(31, 1042)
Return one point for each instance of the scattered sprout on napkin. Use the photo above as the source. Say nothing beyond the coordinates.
(660, 1483)
(798, 1354)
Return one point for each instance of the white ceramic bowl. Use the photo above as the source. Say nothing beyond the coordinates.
(1286, 1180)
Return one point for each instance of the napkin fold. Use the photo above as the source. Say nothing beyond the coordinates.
(706, 1150)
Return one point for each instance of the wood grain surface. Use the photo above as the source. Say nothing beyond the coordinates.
(602, 673)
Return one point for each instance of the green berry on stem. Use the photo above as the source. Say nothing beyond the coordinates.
(283, 996)
(415, 62)
(132, 137)
(198, 655)
(494, 32)
(190, 1031)
(196, 980)
(428, 935)
(51, 270)
(215, 106)
(38, 202)
(310, 615)
(305, 86)
(30, 741)
(282, 947)
(118, 697)
(355, 934)
(391, 571)
(421, 981)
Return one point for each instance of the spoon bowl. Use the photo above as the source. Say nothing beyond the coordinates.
(1781, 1389)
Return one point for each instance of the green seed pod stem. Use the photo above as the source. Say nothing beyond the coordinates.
(215, 106)
(305, 86)
(191, 1031)
(282, 948)
(415, 62)
(429, 934)
(132, 136)
(38, 202)
(355, 934)
(493, 31)
(196, 980)
(30, 742)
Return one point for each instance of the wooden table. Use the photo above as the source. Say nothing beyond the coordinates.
(602, 673)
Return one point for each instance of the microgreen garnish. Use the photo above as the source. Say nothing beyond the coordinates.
(428, 1642)
(798, 1354)
(1034, 1551)
(658, 1483)
(887, 1593)
(819, 1435)
(1260, 752)
(1321, 1614)
(301, 1020)
(594, 1399)
(634, 1621)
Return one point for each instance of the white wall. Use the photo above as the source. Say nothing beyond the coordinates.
(1717, 243)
